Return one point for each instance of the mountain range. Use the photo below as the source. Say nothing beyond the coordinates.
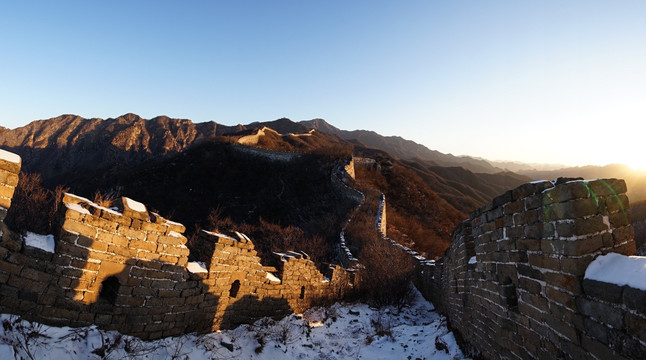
(59, 147)
(193, 169)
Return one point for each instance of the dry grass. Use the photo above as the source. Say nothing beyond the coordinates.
(33, 207)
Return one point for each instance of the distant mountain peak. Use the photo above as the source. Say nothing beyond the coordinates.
(402, 148)
(321, 125)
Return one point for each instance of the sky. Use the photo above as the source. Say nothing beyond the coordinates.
(533, 81)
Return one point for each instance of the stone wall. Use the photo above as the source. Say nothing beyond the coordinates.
(381, 220)
(349, 169)
(9, 169)
(338, 177)
(273, 155)
(512, 282)
(128, 270)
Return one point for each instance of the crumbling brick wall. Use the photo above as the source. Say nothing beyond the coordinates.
(128, 270)
(9, 169)
(512, 282)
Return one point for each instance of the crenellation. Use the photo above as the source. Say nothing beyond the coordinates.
(125, 269)
(523, 285)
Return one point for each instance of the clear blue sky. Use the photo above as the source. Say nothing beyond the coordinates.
(535, 81)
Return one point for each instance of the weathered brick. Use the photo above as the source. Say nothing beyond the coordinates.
(131, 233)
(79, 227)
(623, 234)
(618, 203)
(563, 281)
(143, 245)
(6, 191)
(601, 312)
(121, 250)
(605, 291)
(576, 266)
(635, 299)
(100, 223)
(566, 192)
(8, 178)
(5, 203)
(544, 261)
(636, 325)
(605, 187)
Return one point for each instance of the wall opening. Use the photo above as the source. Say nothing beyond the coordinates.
(508, 295)
(302, 296)
(235, 287)
(109, 290)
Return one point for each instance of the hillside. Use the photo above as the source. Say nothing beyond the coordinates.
(402, 148)
(199, 174)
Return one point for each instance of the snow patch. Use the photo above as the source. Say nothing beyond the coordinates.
(43, 242)
(472, 260)
(135, 205)
(78, 208)
(9, 156)
(618, 269)
(175, 234)
(173, 223)
(242, 236)
(273, 279)
(196, 267)
(218, 235)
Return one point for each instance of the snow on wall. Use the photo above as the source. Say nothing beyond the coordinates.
(10, 157)
(619, 270)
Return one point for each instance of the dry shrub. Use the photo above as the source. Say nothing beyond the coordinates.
(385, 280)
(387, 271)
(216, 221)
(271, 237)
(413, 208)
(33, 206)
(268, 237)
(106, 200)
(409, 228)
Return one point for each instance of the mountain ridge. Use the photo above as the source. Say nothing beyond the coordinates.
(402, 148)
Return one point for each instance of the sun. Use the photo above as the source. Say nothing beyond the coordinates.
(635, 161)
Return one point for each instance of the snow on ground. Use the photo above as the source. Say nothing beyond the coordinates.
(43, 242)
(342, 331)
(618, 269)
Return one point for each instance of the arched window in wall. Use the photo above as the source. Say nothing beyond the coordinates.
(109, 289)
(235, 287)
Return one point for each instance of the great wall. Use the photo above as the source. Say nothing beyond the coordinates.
(523, 277)
(544, 271)
(129, 271)
(516, 280)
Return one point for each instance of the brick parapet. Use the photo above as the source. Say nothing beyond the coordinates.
(126, 270)
(511, 282)
(9, 169)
